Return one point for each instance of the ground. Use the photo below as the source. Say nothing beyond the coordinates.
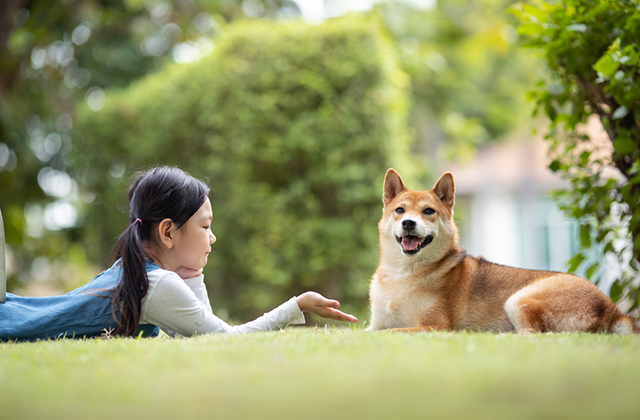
(318, 374)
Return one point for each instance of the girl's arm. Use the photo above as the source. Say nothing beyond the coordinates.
(307, 302)
(182, 306)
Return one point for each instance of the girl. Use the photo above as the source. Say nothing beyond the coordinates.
(156, 282)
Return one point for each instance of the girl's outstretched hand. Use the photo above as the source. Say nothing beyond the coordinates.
(327, 308)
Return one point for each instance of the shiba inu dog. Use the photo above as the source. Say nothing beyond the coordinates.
(425, 281)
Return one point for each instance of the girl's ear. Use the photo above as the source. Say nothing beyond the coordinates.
(165, 231)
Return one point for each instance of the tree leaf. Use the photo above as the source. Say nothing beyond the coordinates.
(585, 236)
(592, 270)
(584, 157)
(554, 165)
(616, 291)
(530, 29)
(575, 262)
(606, 65)
(621, 112)
(577, 27)
(624, 146)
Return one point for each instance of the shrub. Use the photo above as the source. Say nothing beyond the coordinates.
(294, 126)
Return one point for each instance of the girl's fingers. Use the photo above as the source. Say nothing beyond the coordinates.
(326, 308)
(330, 303)
(337, 315)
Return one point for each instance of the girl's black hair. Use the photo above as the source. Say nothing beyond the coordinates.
(157, 194)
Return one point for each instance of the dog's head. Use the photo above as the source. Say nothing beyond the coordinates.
(417, 222)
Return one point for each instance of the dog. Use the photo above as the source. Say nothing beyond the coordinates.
(426, 282)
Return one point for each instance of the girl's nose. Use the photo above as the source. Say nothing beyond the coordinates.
(212, 238)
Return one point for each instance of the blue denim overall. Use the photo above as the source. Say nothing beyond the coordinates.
(84, 312)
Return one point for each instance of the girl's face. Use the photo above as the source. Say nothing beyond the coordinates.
(192, 242)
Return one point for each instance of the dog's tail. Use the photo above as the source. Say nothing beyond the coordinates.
(625, 325)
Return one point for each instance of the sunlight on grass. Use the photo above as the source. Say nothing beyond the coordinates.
(317, 374)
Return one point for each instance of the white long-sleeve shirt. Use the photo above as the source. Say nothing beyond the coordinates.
(182, 306)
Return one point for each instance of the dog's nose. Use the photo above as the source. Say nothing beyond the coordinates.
(408, 224)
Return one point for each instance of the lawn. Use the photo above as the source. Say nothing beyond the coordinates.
(325, 374)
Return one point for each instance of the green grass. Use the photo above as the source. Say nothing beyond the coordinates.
(318, 374)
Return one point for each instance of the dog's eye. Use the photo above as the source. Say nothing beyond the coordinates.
(400, 210)
(429, 211)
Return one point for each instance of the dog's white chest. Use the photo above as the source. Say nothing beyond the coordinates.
(398, 305)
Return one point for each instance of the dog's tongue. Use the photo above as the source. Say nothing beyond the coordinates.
(410, 243)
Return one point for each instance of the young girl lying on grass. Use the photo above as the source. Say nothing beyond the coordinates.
(156, 282)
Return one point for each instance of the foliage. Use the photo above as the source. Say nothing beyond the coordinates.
(469, 75)
(51, 57)
(294, 125)
(592, 49)
(340, 374)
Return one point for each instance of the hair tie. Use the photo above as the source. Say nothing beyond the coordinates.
(138, 220)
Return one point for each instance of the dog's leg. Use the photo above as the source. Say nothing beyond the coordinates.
(526, 314)
(561, 303)
(625, 325)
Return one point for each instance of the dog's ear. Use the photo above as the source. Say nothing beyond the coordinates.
(393, 186)
(445, 189)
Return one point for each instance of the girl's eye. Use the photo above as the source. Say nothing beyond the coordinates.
(400, 210)
(429, 211)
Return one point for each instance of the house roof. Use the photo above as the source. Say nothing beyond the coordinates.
(521, 164)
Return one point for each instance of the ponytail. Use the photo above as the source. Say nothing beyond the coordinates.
(158, 194)
(134, 284)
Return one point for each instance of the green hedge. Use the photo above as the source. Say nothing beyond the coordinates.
(294, 126)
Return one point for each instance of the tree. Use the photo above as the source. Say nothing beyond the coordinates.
(592, 50)
(56, 55)
(469, 75)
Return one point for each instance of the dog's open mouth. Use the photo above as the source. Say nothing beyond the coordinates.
(413, 244)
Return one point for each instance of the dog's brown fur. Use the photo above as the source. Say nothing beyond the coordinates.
(437, 286)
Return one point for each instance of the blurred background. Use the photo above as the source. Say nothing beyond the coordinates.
(292, 111)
